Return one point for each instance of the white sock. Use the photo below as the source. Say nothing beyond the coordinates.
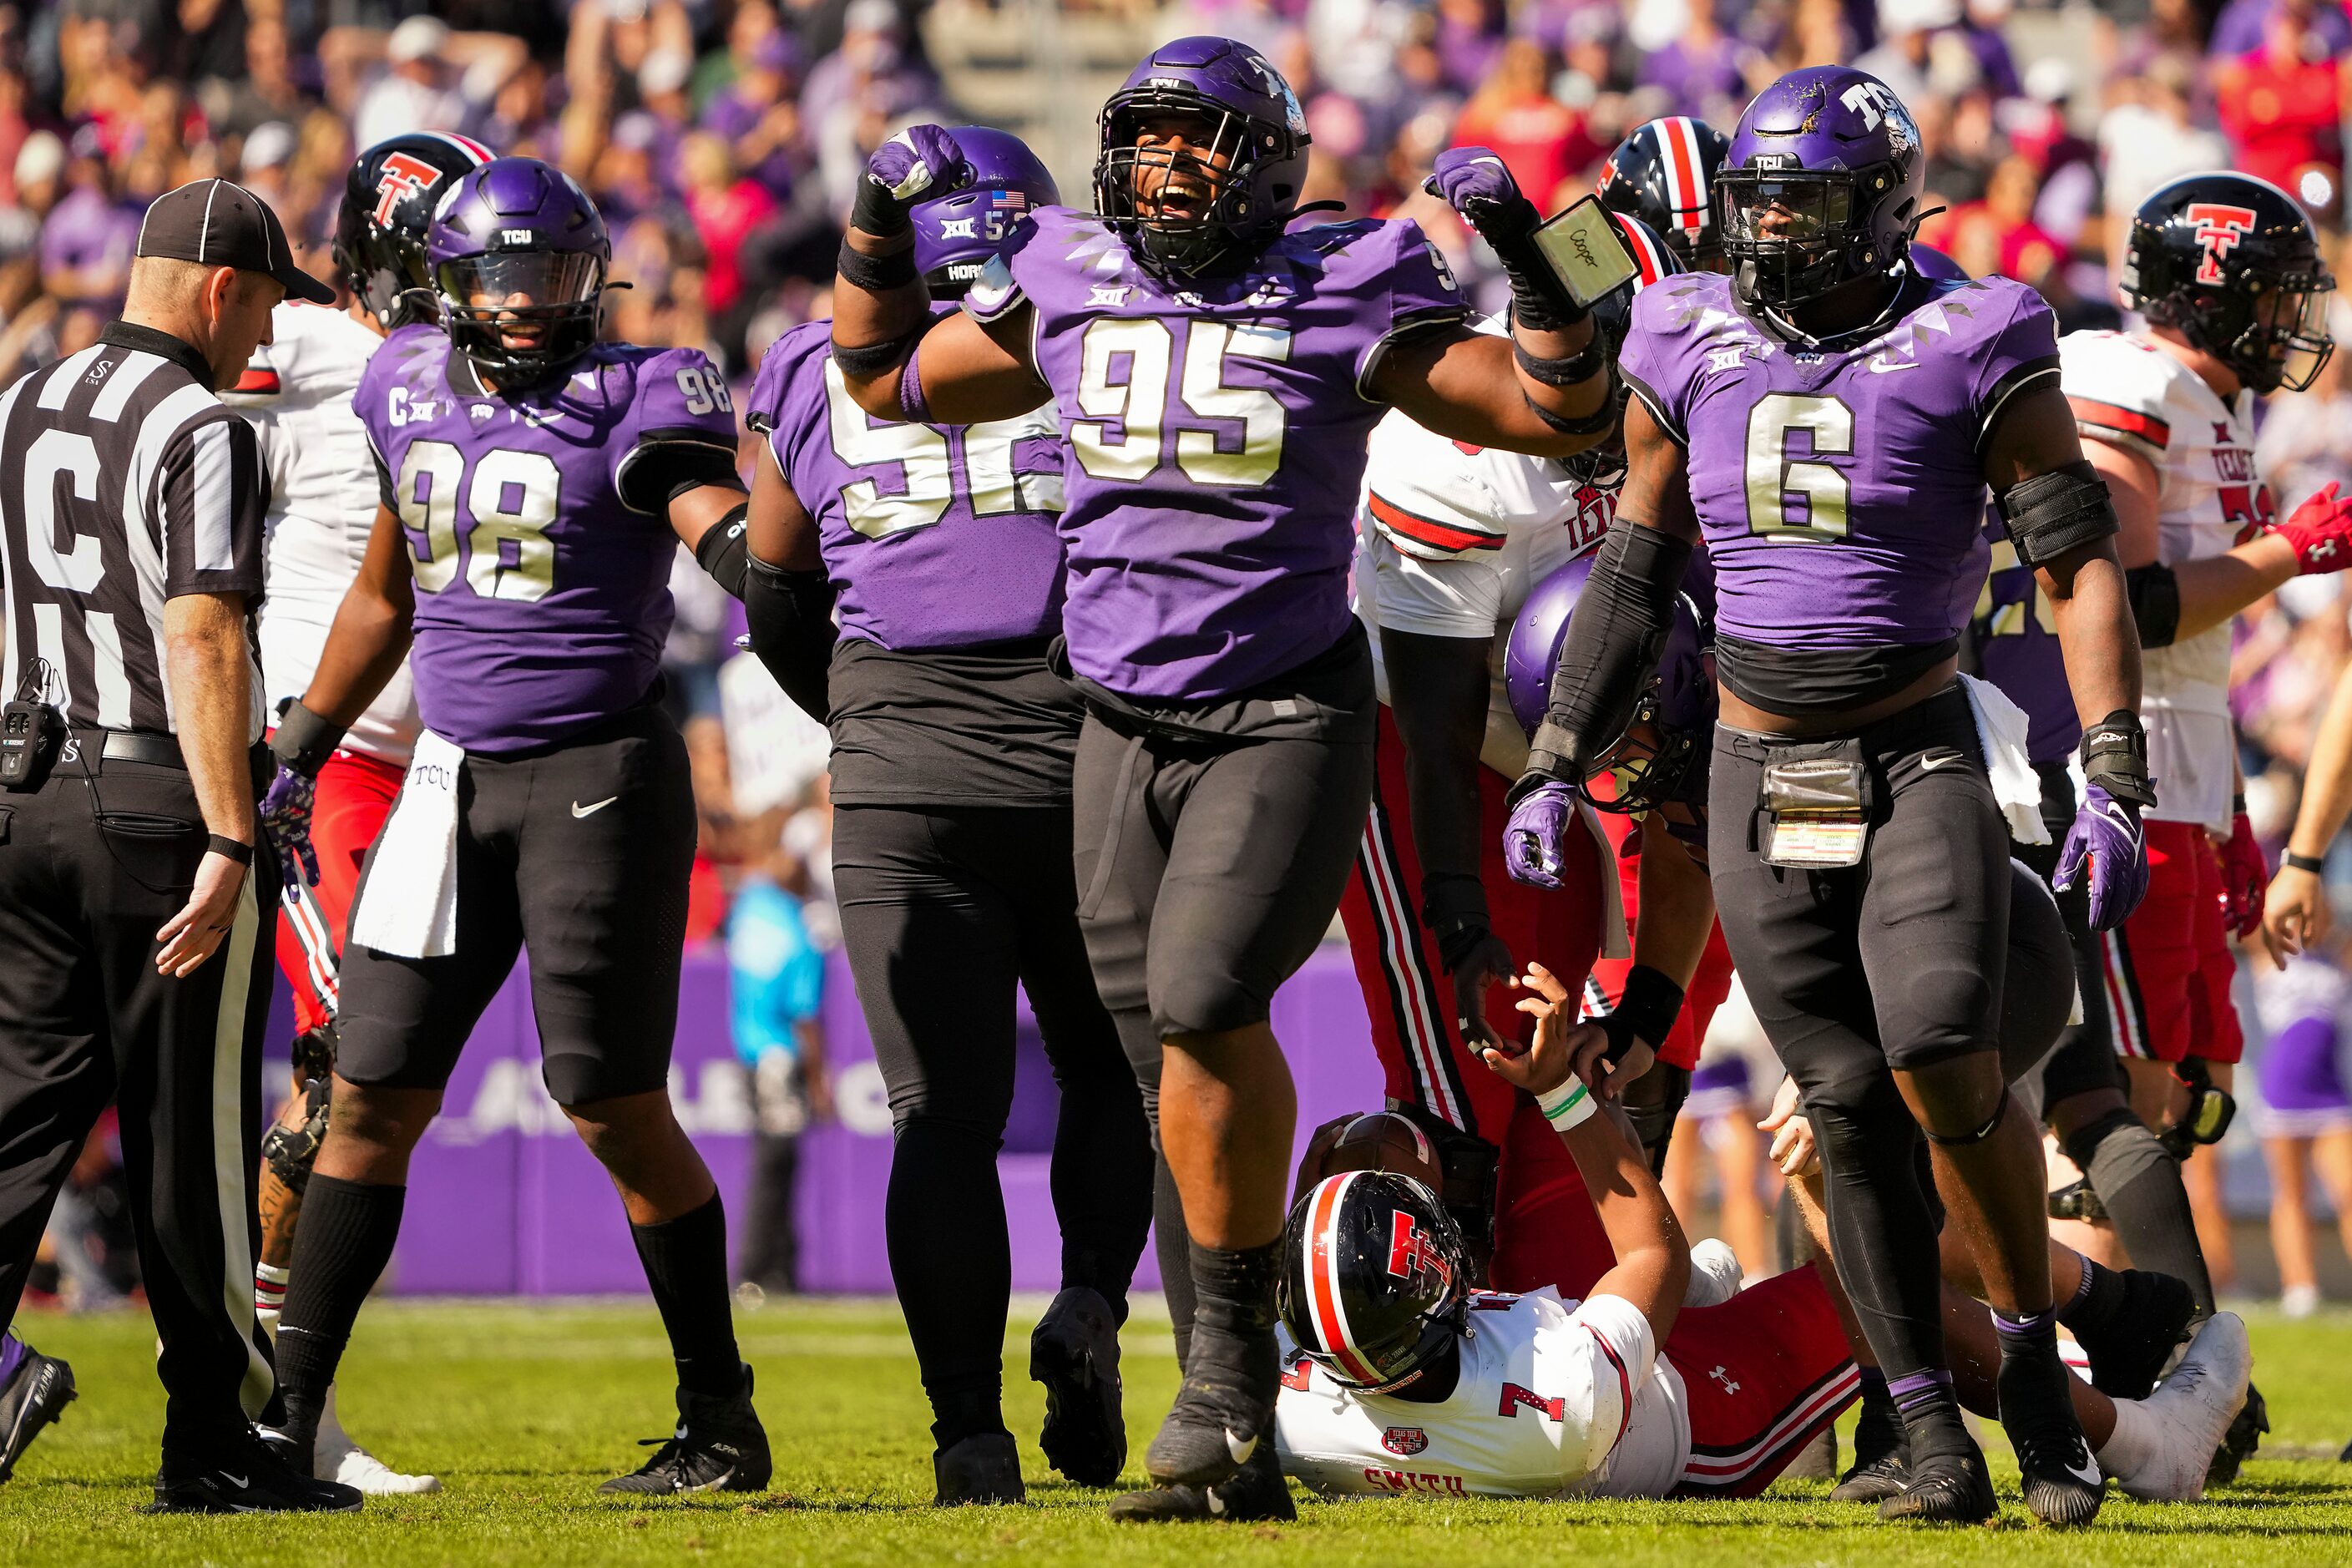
(2129, 1445)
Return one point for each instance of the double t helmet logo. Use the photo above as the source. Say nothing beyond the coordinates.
(2219, 228)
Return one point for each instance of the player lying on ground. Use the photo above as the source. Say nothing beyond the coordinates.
(536, 485)
(1217, 376)
(1661, 1382)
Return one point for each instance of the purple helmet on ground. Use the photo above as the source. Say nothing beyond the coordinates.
(956, 235)
(1934, 266)
(1678, 708)
(1248, 117)
(517, 244)
(1822, 186)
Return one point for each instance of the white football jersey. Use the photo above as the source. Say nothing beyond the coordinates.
(1451, 538)
(1552, 1397)
(2130, 394)
(297, 391)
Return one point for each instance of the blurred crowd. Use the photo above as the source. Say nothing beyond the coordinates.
(722, 138)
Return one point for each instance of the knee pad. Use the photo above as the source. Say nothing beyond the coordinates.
(1976, 1135)
(290, 1151)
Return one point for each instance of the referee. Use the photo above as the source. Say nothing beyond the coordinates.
(133, 960)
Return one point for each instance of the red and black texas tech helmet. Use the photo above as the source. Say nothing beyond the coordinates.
(388, 201)
(2232, 264)
(1374, 1278)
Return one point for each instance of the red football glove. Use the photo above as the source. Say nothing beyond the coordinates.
(2321, 531)
(2245, 880)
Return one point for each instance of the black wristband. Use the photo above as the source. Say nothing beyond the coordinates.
(2114, 757)
(230, 849)
(1649, 1004)
(1592, 424)
(2238, 804)
(1577, 368)
(2311, 863)
(875, 274)
(872, 359)
(303, 740)
(1449, 895)
(875, 211)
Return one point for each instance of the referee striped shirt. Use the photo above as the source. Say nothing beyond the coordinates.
(123, 482)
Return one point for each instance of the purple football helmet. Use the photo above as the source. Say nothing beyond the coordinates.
(1821, 186)
(1678, 710)
(1935, 266)
(518, 249)
(1199, 213)
(956, 235)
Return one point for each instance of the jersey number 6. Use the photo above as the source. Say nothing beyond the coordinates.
(1776, 480)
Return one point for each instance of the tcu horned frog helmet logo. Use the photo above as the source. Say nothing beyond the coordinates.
(2218, 226)
(401, 175)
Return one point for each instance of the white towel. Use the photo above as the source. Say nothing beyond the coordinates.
(2001, 731)
(1614, 942)
(409, 907)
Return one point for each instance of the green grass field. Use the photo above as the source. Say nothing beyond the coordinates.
(523, 1409)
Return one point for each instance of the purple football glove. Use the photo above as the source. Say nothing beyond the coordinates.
(919, 164)
(286, 819)
(1531, 838)
(1474, 182)
(2106, 839)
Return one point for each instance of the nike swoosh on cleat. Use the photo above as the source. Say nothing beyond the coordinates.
(1240, 1450)
(579, 810)
(239, 1482)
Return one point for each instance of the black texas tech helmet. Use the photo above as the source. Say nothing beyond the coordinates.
(1374, 1278)
(1663, 173)
(2232, 264)
(388, 200)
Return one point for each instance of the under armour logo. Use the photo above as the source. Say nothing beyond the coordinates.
(2322, 551)
(1723, 1376)
(1726, 359)
(1111, 294)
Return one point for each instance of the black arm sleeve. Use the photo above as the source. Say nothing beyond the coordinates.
(2156, 604)
(660, 470)
(791, 616)
(724, 551)
(1620, 621)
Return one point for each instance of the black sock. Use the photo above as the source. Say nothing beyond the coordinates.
(2139, 1184)
(2095, 1300)
(343, 1241)
(1173, 1245)
(943, 1222)
(686, 1264)
(1931, 1414)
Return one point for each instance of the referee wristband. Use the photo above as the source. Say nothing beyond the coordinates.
(2314, 864)
(230, 849)
(1570, 1105)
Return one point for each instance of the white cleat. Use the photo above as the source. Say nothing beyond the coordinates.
(2192, 1407)
(1714, 1274)
(337, 1457)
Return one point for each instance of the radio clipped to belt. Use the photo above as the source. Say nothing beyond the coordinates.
(31, 732)
(1816, 804)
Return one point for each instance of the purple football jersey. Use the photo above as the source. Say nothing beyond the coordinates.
(935, 537)
(2017, 649)
(1216, 439)
(1841, 490)
(542, 598)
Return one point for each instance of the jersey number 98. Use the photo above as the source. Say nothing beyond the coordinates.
(511, 498)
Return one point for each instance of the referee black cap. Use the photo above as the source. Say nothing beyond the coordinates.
(216, 223)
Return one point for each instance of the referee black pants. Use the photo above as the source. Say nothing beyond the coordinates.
(89, 870)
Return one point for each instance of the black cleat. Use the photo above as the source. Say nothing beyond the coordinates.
(2239, 1442)
(1882, 1454)
(2062, 1484)
(2131, 1352)
(1257, 1493)
(720, 1446)
(36, 1393)
(1223, 1413)
(983, 1468)
(245, 1475)
(1945, 1489)
(1075, 1354)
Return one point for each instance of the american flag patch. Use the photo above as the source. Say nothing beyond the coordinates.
(1016, 200)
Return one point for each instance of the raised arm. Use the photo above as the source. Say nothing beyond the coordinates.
(967, 373)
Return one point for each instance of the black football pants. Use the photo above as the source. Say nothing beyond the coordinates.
(90, 868)
(943, 910)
